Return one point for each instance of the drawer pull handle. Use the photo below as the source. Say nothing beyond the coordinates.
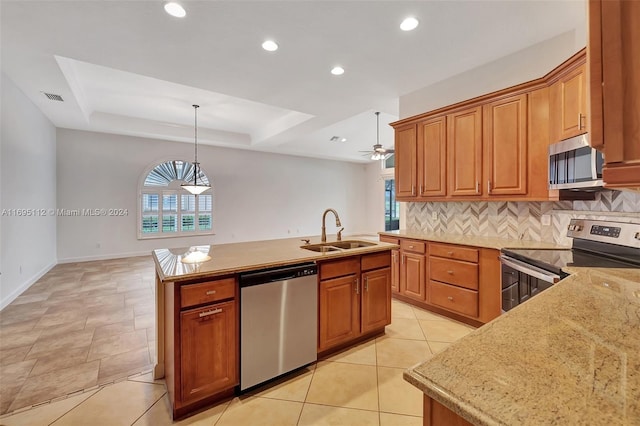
(450, 272)
(410, 247)
(366, 283)
(450, 253)
(212, 312)
(450, 298)
(210, 292)
(357, 286)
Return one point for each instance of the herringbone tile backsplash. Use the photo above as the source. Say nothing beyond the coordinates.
(536, 221)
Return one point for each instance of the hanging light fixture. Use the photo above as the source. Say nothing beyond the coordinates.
(196, 188)
(379, 153)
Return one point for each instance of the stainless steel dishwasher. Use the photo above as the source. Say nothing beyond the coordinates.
(278, 322)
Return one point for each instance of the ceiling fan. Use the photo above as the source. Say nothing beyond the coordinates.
(379, 152)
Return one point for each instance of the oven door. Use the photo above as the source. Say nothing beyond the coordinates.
(521, 281)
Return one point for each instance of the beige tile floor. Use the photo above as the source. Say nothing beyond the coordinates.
(80, 326)
(361, 386)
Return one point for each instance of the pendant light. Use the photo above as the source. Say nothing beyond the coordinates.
(196, 188)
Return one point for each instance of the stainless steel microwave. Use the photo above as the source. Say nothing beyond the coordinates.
(573, 164)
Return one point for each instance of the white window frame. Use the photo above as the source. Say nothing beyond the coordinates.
(386, 174)
(172, 188)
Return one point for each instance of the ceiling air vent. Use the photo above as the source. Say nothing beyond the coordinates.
(53, 97)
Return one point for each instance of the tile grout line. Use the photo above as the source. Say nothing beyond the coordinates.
(306, 395)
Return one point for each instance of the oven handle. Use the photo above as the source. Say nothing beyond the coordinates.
(530, 270)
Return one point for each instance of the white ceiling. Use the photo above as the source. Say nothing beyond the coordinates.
(126, 67)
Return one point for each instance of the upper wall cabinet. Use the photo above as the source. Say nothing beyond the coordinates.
(569, 105)
(614, 88)
(406, 161)
(432, 157)
(465, 152)
(505, 146)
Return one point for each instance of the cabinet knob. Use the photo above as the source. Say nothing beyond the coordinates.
(210, 292)
(450, 272)
(450, 298)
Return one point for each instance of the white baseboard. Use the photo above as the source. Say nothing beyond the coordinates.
(104, 257)
(17, 292)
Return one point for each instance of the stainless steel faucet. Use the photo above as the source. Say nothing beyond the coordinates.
(324, 218)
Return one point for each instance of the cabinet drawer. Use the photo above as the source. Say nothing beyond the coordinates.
(454, 298)
(464, 274)
(207, 292)
(376, 261)
(339, 268)
(419, 247)
(454, 252)
(387, 239)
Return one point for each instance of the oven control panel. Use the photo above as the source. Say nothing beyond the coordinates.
(624, 234)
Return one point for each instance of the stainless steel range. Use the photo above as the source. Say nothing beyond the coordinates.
(526, 272)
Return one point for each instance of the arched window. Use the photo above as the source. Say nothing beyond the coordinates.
(166, 209)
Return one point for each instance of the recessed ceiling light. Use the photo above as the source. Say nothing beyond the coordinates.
(270, 46)
(409, 24)
(337, 71)
(174, 9)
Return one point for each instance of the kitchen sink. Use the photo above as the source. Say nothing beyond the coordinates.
(337, 245)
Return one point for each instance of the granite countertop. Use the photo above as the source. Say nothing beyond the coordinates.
(571, 355)
(240, 257)
(472, 240)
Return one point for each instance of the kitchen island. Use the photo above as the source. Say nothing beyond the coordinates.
(571, 355)
(198, 306)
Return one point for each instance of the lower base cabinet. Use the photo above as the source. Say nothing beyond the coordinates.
(201, 343)
(354, 298)
(436, 414)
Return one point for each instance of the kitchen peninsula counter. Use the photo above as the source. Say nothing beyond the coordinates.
(571, 355)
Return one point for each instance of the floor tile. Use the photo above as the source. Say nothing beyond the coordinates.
(260, 411)
(58, 359)
(45, 414)
(76, 339)
(17, 327)
(292, 387)
(13, 377)
(56, 330)
(123, 365)
(160, 415)
(30, 298)
(423, 314)
(11, 356)
(113, 329)
(144, 321)
(146, 378)
(387, 419)
(119, 404)
(120, 343)
(397, 395)
(401, 353)
(344, 385)
(55, 384)
(364, 353)
(405, 328)
(444, 331)
(18, 339)
(63, 317)
(109, 317)
(437, 346)
(401, 310)
(323, 415)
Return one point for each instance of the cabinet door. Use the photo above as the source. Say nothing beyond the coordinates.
(505, 146)
(395, 271)
(432, 157)
(208, 350)
(376, 299)
(573, 104)
(339, 311)
(406, 161)
(465, 152)
(412, 276)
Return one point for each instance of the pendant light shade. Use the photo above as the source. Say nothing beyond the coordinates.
(196, 188)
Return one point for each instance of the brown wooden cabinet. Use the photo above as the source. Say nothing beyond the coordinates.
(201, 342)
(395, 263)
(436, 414)
(568, 109)
(413, 269)
(465, 152)
(432, 157)
(354, 298)
(505, 146)
(406, 166)
(208, 350)
(613, 60)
